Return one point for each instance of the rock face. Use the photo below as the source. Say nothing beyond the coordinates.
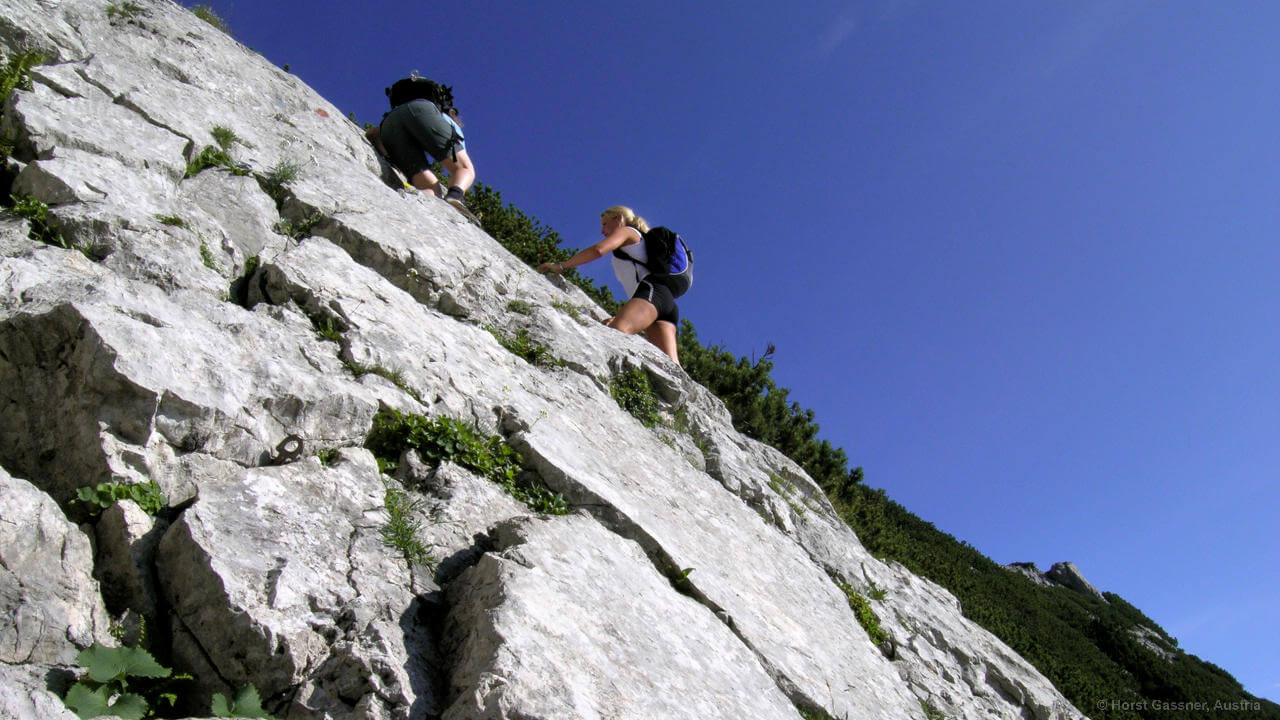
(230, 336)
(1068, 575)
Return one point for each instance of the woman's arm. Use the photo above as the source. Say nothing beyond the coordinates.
(618, 238)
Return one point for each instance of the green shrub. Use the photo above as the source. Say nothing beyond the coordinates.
(866, 616)
(246, 704)
(524, 307)
(296, 229)
(206, 256)
(99, 497)
(525, 348)
(394, 376)
(213, 157)
(125, 682)
(206, 13)
(277, 180)
(16, 73)
(125, 11)
(440, 439)
(634, 393)
(172, 220)
(224, 136)
(326, 328)
(402, 526)
(36, 212)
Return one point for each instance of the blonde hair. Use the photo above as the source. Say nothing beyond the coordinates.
(629, 217)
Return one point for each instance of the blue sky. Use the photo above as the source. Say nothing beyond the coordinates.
(1019, 258)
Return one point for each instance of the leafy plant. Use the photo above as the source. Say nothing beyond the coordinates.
(278, 178)
(679, 578)
(206, 13)
(125, 11)
(99, 497)
(866, 616)
(326, 328)
(441, 438)
(246, 704)
(16, 73)
(105, 688)
(172, 220)
(36, 212)
(524, 307)
(402, 526)
(328, 456)
(525, 348)
(213, 157)
(206, 256)
(394, 376)
(298, 229)
(224, 136)
(633, 392)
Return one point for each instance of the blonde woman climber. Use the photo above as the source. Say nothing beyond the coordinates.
(651, 308)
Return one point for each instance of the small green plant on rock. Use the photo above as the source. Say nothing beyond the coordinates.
(679, 579)
(206, 13)
(634, 393)
(124, 682)
(36, 212)
(814, 714)
(124, 11)
(213, 157)
(225, 137)
(246, 704)
(16, 73)
(522, 346)
(172, 220)
(393, 376)
(99, 497)
(278, 179)
(402, 526)
(206, 256)
(441, 438)
(866, 616)
(298, 229)
(326, 328)
(524, 307)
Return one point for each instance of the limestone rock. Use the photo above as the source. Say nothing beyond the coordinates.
(280, 578)
(534, 636)
(50, 604)
(1068, 575)
(1030, 572)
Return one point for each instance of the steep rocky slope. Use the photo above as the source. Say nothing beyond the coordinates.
(231, 334)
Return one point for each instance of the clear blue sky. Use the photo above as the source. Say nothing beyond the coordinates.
(1020, 258)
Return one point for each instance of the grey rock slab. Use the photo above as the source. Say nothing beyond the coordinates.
(534, 634)
(123, 359)
(1069, 576)
(50, 608)
(950, 662)
(126, 543)
(24, 693)
(281, 577)
(802, 628)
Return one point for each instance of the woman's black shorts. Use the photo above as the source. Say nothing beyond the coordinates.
(660, 295)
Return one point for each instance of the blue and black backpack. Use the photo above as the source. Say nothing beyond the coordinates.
(670, 259)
